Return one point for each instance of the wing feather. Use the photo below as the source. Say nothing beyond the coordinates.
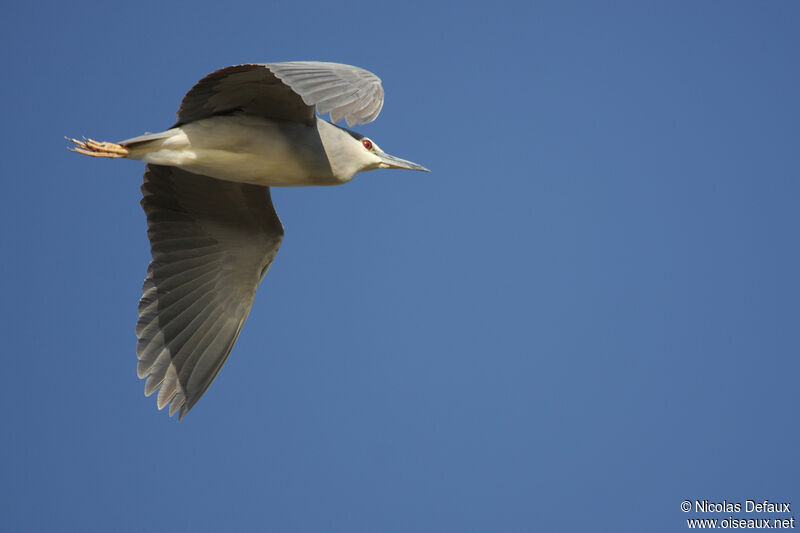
(287, 91)
(211, 241)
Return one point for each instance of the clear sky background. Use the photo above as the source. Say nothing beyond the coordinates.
(586, 314)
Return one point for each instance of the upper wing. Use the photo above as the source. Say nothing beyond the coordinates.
(212, 241)
(287, 91)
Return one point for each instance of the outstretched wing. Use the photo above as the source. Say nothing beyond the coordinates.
(212, 241)
(287, 91)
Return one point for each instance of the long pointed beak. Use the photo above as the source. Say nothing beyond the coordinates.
(390, 161)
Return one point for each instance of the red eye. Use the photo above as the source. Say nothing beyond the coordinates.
(367, 144)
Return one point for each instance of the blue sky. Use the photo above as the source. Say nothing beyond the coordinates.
(586, 314)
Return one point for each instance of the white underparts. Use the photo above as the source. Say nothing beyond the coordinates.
(244, 148)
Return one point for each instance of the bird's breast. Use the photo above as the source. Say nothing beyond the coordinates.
(244, 148)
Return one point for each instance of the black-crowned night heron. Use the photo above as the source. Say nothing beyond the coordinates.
(212, 227)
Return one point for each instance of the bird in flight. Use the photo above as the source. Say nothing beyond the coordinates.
(212, 227)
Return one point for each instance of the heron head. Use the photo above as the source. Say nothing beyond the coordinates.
(355, 153)
(374, 158)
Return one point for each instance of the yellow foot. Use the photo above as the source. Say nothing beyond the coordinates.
(98, 149)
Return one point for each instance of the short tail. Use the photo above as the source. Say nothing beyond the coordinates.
(98, 149)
